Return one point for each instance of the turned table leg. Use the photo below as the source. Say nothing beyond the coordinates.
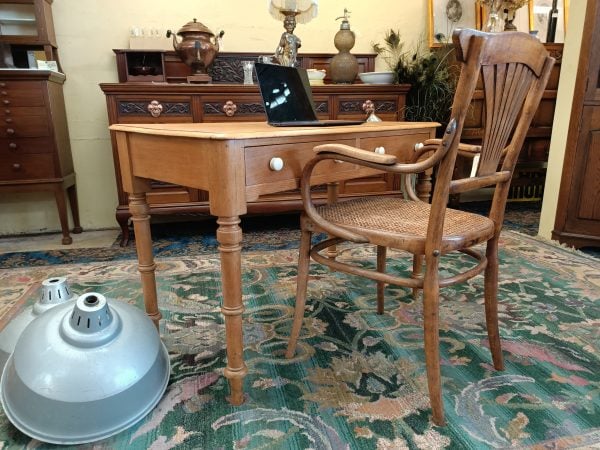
(229, 235)
(138, 206)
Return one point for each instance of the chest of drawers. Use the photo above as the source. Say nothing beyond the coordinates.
(35, 152)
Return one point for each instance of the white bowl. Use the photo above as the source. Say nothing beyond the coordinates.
(315, 76)
(377, 77)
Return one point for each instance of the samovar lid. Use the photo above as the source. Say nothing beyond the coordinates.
(195, 27)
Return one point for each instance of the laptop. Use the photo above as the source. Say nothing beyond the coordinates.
(287, 97)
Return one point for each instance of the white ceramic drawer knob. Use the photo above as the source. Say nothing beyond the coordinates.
(419, 146)
(276, 164)
(380, 150)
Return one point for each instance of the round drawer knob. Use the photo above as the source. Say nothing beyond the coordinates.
(2, 84)
(8, 120)
(3, 92)
(380, 150)
(10, 131)
(16, 166)
(419, 146)
(276, 164)
(12, 145)
(229, 108)
(7, 111)
(6, 102)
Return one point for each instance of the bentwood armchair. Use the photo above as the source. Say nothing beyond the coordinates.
(514, 68)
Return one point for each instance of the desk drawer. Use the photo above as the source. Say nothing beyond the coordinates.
(294, 157)
(26, 167)
(20, 146)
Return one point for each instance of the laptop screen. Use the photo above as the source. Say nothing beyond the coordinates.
(286, 93)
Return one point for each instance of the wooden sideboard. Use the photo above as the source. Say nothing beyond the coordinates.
(169, 102)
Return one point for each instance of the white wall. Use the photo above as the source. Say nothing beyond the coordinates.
(562, 115)
(88, 30)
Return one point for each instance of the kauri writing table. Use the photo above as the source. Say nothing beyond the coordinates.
(236, 163)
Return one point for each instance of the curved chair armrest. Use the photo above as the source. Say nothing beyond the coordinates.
(309, 207)
(354, 152)
(463, 149)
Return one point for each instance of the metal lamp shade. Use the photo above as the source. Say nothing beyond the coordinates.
(54, 291)
(84, 372)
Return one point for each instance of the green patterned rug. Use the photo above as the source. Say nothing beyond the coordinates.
(358, 380)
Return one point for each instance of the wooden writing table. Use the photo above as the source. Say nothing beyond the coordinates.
(232, 161)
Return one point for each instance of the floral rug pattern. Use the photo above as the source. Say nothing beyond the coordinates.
(358, 378)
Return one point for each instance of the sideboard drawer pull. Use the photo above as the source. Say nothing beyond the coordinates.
(8, 120)
(3, 93)
(16, 167)
(155, 108)
(2, 84)
(12, 146)
(380, 150)
(276, 164)
(10, 131)
(229, 108)
(6, 102)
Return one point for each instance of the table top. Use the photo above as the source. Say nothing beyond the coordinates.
(258, 130)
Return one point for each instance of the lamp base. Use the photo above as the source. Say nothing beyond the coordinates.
(199, 78)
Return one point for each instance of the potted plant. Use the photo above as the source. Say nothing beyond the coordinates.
(432, 74)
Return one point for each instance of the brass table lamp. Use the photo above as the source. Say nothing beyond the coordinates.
(291, 12)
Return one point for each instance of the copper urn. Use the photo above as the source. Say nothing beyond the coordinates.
(198, 48)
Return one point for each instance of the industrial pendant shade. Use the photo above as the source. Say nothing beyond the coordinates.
(54, 291)
(84, 371)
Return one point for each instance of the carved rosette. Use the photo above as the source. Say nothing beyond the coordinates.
(155, 108)
(229, 108)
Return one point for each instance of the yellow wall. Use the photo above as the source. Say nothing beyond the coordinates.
(88, 30)
(562, 116)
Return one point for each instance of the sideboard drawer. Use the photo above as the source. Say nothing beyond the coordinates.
(20, 146)
(26, 167)
(244, 108)
(154, 109)
(387, 107)
(22, 93)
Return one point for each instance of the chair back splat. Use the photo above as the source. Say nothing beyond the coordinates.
(513, 69)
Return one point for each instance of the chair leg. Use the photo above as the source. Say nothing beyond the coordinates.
(432, 342)
(302, 282)
(416, 273)
(381, 254)
(491, 303)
